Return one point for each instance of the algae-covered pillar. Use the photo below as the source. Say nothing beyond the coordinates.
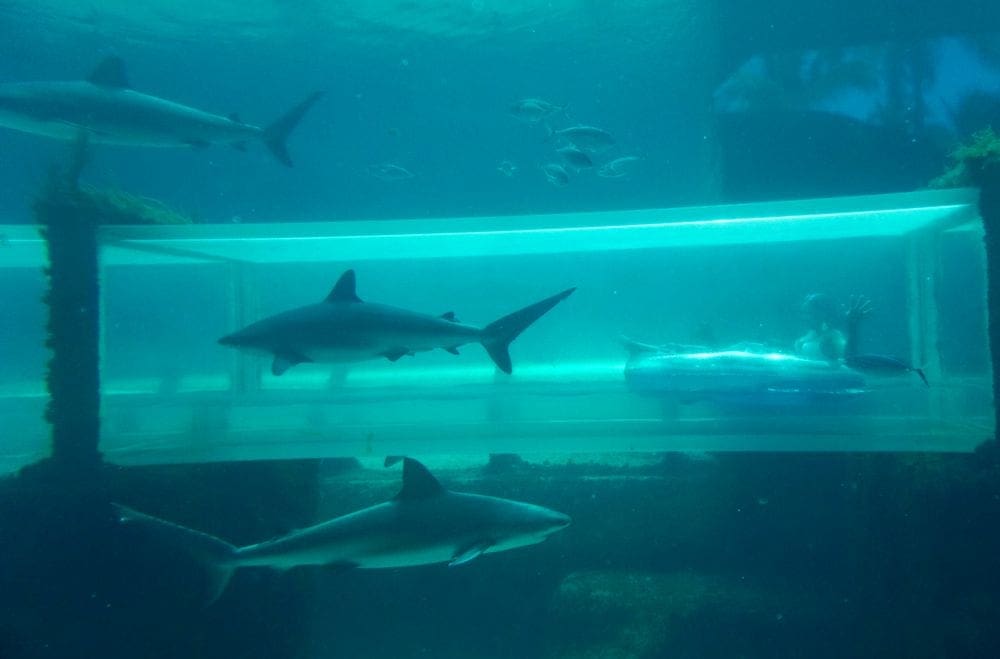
(69, 215)
(69, 222)
(989, 210)
(978, 163)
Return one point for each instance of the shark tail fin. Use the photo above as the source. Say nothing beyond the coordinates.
(497, 336)
(277, 133)
(218, 557)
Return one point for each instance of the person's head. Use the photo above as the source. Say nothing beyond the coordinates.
(820, 309)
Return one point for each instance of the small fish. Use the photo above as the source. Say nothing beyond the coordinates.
(533, 110)
(587, 138)
(575, 157)
(556, 174)
(389, 172)
(617, 168)
(882, 365)
(507, 168)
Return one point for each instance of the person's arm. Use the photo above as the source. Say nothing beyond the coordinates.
(860, 307)
(801, 342)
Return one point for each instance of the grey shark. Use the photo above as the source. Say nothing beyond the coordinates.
(107, 110)
(343, 328)
(424, 524)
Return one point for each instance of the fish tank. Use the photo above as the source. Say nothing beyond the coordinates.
(498, 329)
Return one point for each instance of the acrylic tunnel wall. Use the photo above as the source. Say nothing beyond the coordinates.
(717, 288)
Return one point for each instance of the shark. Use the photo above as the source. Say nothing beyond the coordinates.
(105, 109)
(423, 524)
(343, 328)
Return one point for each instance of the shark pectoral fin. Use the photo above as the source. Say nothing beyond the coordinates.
(450, 316)
(285, 361)
(469, 553)
(452, 349)
(393, 354)
(216, 579)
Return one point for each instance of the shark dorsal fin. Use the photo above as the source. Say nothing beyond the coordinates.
(110, 73)
(418, 482)
(344, 289)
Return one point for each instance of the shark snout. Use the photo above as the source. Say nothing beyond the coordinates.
(556, 521)
(237, 339)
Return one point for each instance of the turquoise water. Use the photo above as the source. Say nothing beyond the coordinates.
(724, 188)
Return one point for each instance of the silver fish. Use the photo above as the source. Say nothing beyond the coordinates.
(588, 138)
(534, 110)
(617, 168)
(507, 168)
(556, 174)
(389, 172)
(575, 157)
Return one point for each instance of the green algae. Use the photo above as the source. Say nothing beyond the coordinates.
(119, 207)
(106, 206)
(972, 161)
(78, 202)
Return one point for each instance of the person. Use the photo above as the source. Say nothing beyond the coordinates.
(824, 340)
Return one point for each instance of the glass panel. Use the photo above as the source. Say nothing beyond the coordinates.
(172, 394)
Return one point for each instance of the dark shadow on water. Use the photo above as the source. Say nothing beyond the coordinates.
(802, 154)
(76, 583)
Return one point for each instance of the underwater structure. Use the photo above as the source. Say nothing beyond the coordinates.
(69, 218)
(978, 163)
(730, 495)
(741, 377)
(94, 574)
(988, 179)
